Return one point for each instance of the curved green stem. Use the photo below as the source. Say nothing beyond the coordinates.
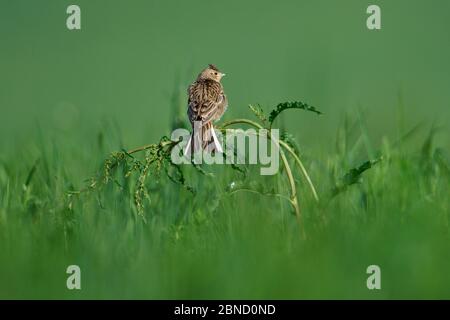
(293, 198)
(302, 169)
(238, 121)
(148, 146)
(286, 146)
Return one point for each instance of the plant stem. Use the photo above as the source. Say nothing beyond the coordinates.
(294, 200)
(238, 121)
(302, 169)
(293, 197)
(148, 146)
(286, 146)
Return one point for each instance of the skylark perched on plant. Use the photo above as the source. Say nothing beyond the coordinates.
(207, 103)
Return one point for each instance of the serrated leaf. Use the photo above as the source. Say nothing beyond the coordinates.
(291, 105)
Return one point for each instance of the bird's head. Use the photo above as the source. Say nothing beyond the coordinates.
(211, 73)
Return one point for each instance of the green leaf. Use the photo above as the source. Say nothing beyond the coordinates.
(31, 173)
(291, 105)
(354, 176)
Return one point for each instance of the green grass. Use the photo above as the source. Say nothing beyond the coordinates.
(218, 244)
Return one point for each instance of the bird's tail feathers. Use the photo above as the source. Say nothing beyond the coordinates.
(203, 138)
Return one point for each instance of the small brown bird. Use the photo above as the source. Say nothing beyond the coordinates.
(207, 103)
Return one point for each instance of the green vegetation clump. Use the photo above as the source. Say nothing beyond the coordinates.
(158, 156)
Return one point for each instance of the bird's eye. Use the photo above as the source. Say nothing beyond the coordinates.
(215, 73)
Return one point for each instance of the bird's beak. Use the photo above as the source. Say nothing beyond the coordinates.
(223, 74)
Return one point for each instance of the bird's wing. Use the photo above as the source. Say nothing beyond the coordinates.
(204, 99)
(192, 103)
(223, 105)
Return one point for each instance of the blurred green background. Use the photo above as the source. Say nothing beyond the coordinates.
(124, 62)
(69, 98)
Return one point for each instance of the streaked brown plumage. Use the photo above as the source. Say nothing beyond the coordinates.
(207, 103)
